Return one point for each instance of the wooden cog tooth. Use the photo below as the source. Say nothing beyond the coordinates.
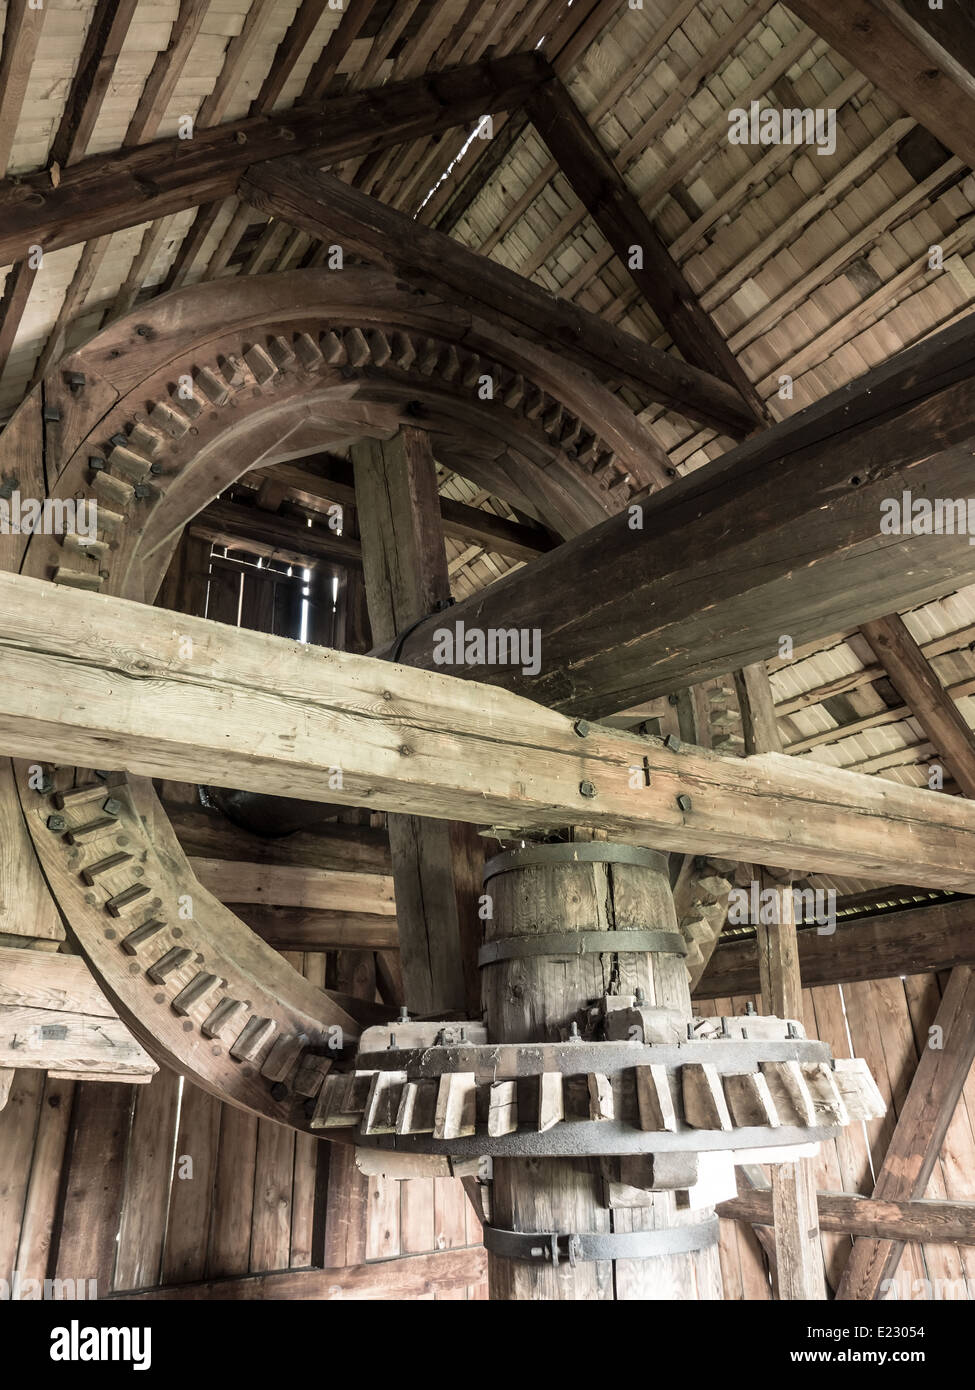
(333, 349)
(167, 418)
(284, 1055)
(503, 1108)
(404, 351)
(655, 1099)
(166, 964)
(126, 461)
(281, 352)
(383, 1102)
(308, 353)
(81, 545)
(91, 874)
(551, 1100)
(356, 347)
(417, 1111)
(114, 492)
(311, 1074)
(380, 350)
(74, 579)
(704, 1104)
(213, 387)
(74, 796)
(220, 1017)
(131, 943)
(456, 1113)
(255, 1033)
(200, 985)
(125, 901)
(260, 364)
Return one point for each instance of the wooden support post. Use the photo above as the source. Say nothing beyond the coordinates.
(920, 1131)
(405, 573)
(918, 685)
(538, 998)
(798, 1253)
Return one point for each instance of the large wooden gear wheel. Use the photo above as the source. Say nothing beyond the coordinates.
(154, 418)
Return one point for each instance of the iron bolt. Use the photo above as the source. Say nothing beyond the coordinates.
(574, 1032)
(673, 743)
(750, 1008)
(587, 789)
(111, 807)
(581, 727)
(392, 1039)
(57, 823)
(684, 802)
(404, 1014)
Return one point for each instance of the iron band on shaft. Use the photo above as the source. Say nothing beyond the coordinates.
(551, 1247)
(580, 943)
(575, 852)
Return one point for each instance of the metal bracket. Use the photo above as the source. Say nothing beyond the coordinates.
(581, 943)
(552, 1247)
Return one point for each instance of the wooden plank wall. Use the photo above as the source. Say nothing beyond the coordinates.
(886, 1022)
(142, 1186)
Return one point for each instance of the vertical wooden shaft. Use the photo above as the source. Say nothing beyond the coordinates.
(800, 1272)
(538, 998)
(435, 864)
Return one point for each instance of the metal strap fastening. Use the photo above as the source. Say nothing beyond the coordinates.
(552, 1247)
(575, 852)
(581, 943)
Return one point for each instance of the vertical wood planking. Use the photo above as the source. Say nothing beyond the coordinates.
(94, 1182)
(185, 1254)
(233, 1195)
(149, 1168)
(18, 1125)
(46, 1169)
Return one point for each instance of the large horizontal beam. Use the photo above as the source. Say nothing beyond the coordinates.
(459, 521)
(923, 1219)
(265, 533)
(104, 682)
(790, 534)
(321, 204)
(311, 929)
(905, 61)
(908, 942)
(108, 192)
(208, 835)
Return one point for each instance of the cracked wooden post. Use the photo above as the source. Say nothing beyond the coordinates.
(539, 998)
